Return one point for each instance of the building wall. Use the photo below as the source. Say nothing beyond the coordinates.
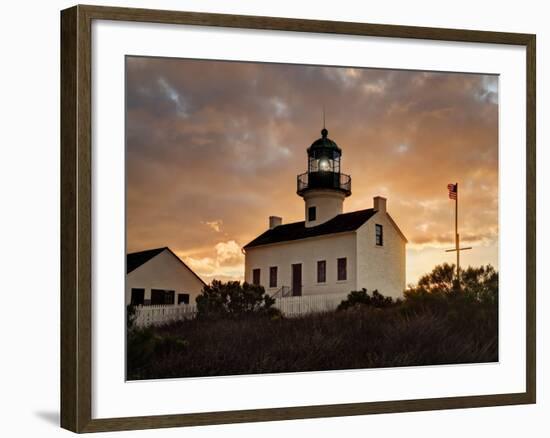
(329, 203)
(308, 252)
(381, 267)
(164, 271)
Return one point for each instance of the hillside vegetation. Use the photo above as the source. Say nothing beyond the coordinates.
(437, 322)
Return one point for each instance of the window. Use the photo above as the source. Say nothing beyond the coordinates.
(379, 235)
(321, 271)
(324, 164)
(157, 297)
(312, 213)
(161, 296)
(342, 269)
(169, 297)
(256, 276)
(273, 276)
(138, 297)
(183, 298)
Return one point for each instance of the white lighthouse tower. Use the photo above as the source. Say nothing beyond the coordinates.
(323, 187)
(330, 253)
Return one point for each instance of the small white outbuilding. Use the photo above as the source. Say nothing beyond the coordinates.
(158, 276)
(330, 252)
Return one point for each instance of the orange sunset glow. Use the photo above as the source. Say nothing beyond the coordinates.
(214, 147)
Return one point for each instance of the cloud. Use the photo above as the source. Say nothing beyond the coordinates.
(215, 225)
(229, 253)
(402, 148)
(228, 262)
(374, 88)
(174, 96)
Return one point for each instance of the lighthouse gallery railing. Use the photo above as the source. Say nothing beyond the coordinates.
(323, 180)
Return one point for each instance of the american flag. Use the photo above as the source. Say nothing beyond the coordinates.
(453, 191)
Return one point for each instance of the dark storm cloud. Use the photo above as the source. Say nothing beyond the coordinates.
(221, 142)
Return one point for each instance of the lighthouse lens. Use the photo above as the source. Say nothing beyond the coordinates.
(324, 164)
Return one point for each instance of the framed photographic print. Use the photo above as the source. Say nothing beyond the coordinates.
(303, 218)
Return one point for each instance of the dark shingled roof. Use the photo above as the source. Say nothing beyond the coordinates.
(297, 230)
(136, 259)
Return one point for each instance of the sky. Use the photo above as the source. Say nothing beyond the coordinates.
(213, 148)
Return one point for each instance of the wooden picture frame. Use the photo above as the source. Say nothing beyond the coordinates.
(76, 172)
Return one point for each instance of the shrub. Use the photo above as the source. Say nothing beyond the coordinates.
(440, 280)
(234, 299)
(360, 298)
(130, 316)
(474, 302)
(480, 283)
(147, 346)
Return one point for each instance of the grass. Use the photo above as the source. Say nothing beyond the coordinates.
(354, 338)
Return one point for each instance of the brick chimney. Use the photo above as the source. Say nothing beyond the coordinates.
(380, 204)
(275, 221)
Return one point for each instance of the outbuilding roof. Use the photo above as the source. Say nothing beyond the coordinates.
(297, 230)
(135, 259)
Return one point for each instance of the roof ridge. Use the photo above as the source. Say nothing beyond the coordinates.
(338, 215)
(160, 248)
(340, 223)
(135, 259)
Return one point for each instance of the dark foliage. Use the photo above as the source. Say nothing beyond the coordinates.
(436, 323)
(361, 298)
(231, 299)
(362, 337)
(130, 316)
(480, 284)
(438, 292)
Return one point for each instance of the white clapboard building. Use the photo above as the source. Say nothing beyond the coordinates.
(330, 252)
(158, 276)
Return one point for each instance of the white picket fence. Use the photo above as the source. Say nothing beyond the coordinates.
(163, 314)
(302, 305)
(290, 307)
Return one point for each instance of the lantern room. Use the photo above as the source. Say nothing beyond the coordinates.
(323, 171)
(323, 187)
(324, 155)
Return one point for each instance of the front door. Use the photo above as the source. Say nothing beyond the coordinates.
(297, 279)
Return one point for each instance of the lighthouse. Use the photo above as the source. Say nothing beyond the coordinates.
(323, 187)
(330, 252)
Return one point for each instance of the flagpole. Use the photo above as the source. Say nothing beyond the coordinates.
(457, 243)
(453, 194)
